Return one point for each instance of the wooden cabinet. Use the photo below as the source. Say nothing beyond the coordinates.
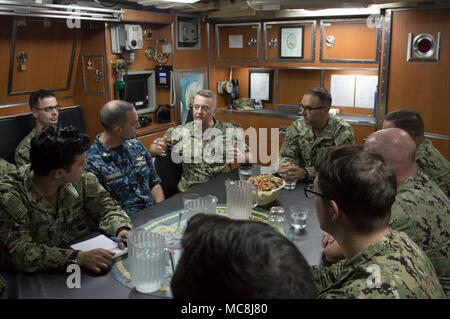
(238, 41)
(362, 132)
(349, 40)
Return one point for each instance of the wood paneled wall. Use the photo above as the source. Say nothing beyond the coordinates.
(354, 40)
(49, 50)
(93, 43)
(292, 85)
(422, 86)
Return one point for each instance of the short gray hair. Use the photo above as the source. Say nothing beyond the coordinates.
(114, 113)
(208, 94)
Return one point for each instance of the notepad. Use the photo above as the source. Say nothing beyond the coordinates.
(101, 241)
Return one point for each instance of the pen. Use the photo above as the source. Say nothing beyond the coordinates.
(116, 239)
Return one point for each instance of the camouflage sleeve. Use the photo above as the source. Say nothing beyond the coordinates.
(19, 251)
(290, 150)
(346, 136)
(102, 207)
(154, 178)
(324, 277)
(6, 167)
(20, 156)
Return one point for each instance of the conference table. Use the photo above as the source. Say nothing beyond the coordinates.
(53, 284)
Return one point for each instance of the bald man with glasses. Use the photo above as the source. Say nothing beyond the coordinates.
(45, 110)
(310, 134)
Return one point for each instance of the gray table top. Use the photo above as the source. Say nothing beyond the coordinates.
(53, 284)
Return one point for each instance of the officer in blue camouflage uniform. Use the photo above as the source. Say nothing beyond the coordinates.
(6, 167)
(201, 165)
(121, 163)
(379, 262)
(428, 159)
(48, 205)
(310, 134)
(45, 109)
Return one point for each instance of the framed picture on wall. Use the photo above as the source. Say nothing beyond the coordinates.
(187, 84)
(260, 84)
(291, 43)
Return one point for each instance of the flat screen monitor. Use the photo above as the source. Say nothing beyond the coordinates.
(141, 90)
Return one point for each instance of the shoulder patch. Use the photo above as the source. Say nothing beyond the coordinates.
(14, 206)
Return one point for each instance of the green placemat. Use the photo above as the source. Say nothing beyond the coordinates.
(167, 226)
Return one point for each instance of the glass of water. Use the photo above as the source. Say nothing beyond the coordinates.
(245, 172)
(298, 217)
(290, 180)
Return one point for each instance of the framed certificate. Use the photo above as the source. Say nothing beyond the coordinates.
(291, 44)
(260, 84)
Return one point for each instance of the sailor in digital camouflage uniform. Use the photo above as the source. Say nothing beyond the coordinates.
(121, 163)
(379, 262)
(6, 167)
(44, 108)
(208, 152)
(48, 205)
(421, 209)
(310, 134)
(428, 159)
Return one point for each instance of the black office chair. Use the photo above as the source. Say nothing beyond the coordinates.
(14, 128)
(170, 174)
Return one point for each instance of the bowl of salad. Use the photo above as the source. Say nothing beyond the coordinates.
(268, 187)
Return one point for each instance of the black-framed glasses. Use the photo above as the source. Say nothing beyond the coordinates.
(49, 109)
(309, 108)
(309, 193)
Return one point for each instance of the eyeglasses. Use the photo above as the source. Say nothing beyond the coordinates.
(205, 108)
(309, 108)
(309, 193)
(49, 109)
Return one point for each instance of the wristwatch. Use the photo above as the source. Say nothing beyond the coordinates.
(73, 258)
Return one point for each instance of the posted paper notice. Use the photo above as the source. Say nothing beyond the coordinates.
(366, 86)
(343, 90)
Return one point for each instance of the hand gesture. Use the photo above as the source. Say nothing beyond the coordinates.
(95, 260)
(161, 147)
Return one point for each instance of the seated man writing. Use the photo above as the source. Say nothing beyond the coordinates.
(46, 206)
(310, 134)
(121, 163)
(227, 258)
(353, 192)
(202, 143)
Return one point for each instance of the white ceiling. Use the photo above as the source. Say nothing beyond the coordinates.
(267, 8)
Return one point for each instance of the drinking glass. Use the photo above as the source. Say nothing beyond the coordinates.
(298, 217)
(245, 172)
